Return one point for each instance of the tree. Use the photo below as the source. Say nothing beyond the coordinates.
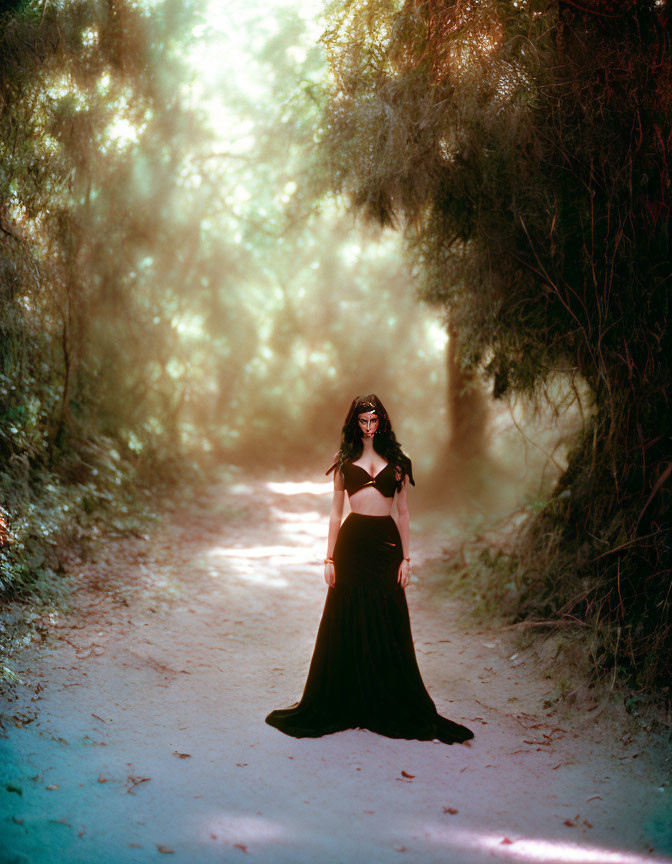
(91, 123)
(526, 149)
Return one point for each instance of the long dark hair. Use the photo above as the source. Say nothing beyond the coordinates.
(384, 441)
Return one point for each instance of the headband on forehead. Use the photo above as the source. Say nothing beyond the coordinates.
(364, 407)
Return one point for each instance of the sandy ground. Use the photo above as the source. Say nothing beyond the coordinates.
(139, 731)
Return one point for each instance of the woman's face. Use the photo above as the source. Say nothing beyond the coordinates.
(368, 423)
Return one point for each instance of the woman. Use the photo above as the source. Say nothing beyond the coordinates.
(363, 672)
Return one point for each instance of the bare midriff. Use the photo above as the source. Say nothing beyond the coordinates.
(370, 502)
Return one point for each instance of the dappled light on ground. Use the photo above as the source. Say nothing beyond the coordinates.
(239, 829)
(275, 554)
(304, 488)
(535, 849)
(295, 541)
(261, 564)
(294, 525)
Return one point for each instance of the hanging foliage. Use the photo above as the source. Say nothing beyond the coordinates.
(525, 148)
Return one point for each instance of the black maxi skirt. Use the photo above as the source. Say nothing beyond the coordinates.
(363, 673)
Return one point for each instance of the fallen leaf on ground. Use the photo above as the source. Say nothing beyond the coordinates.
(22, 719)
(450, 810)
(52, 787)
(241, 846)
(10, 787)
(410, 776)
(181, 755)
(136, 781)
(165, 849)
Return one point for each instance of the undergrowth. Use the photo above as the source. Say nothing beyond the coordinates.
(498, 570)
(58, 517)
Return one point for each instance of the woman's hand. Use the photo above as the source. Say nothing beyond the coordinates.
(329, 574)
(404, 573)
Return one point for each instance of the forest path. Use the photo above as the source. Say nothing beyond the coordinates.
(143, 732)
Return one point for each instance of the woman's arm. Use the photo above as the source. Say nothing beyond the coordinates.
(334, 527)
(404, 573)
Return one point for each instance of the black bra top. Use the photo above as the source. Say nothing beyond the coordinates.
(385, 481)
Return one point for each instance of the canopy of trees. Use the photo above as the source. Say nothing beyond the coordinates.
(525, 147)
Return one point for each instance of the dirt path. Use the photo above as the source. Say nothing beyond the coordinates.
(143, 732)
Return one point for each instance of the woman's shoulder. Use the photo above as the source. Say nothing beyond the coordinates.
(335, 465)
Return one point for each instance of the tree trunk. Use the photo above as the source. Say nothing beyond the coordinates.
(467, 407)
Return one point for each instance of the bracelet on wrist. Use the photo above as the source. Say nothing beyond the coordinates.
(328, 560)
